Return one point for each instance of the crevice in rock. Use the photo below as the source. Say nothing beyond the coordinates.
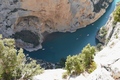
(108, 68)
(15, 1)
(99, 5)
(28, 37)
(116, 60)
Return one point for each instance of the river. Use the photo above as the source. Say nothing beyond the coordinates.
(59, 45)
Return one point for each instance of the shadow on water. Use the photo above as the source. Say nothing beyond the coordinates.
(59, 45)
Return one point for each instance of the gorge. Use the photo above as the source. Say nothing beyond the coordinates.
(107, 59)
(59, 45)
(36, 19)
(36, 36)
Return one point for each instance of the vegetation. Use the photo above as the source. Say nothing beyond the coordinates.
(103, 32)
(116, 14)
(116, 36)
(114, 24)
(27, 36)
(99, 46)
(77, 64)
(14, 64)
(65, 75)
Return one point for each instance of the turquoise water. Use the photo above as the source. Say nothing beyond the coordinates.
(59, 45)
(116, 1)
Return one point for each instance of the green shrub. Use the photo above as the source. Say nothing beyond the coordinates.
(99, 46)
(82, 62)
(74, 64)
(14, 65)
(114, 24)
(116, 14)
(89, 52)
(116, 36)
(65, 75)
(92, 67)
(103, 32)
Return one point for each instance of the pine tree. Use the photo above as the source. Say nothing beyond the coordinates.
(14, 64)
(89, 53)
(116, 14)
(81, 62)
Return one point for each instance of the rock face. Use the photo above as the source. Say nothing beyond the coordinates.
(46, 16)
(105, 32)
(108, 59)
(108, 30)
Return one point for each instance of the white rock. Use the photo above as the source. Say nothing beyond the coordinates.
(115, 68)
(55, 74)
(100, 74)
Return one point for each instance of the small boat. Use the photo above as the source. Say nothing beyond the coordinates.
(43, 48)
(87, 34)
(77, 38)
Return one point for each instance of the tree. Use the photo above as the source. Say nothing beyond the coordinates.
(89, 52)
(74, 64)
(82, 62)
(14, 64)
(116, 14)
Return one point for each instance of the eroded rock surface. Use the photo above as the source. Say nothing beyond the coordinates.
(47, 16)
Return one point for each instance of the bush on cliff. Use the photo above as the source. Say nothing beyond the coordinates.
(77, 64)
(102, 32)
(116, 14)
(13, 63)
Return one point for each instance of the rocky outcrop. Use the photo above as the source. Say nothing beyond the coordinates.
(46, 65)
(108, 59)
(47, 16)
(106, 32)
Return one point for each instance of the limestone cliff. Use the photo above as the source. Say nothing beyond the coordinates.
(35, 18)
